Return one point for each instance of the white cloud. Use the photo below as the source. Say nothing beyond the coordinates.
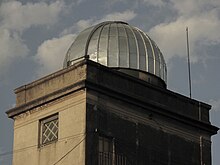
(110, 3)
(82, 24)
(203, 28)
(194, 7)
(11, 47)
(158, 3)
(77, 27)
(119, 16)
(116, 16)
(136, 4)
(18, 16)
(215, 104)
(15, 18)
(51, 53)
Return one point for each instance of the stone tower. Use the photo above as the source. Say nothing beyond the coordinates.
(110, 106)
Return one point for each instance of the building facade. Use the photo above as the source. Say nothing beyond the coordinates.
(107, 110)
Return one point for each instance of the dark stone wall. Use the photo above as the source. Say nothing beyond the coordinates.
(105, 79)
(92, 135)
(131, 113)
(140, 143)
(158, 147)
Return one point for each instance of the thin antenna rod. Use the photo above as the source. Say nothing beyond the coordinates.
(187, 45)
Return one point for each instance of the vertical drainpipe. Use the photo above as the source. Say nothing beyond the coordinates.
(169, 157)
(113, 152)
(200, 113)
(137, 143)
(201, 150)
(201, 137)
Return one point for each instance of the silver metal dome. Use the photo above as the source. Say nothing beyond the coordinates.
(119, 45)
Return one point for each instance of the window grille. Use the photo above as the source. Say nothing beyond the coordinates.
(49, 130)
(107, 154)
(108, 158)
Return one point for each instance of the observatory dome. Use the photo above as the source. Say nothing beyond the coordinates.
(118, 45)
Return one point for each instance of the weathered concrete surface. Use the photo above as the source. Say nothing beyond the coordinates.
(49, 88)
(63, 93)
(72, 121)
(50, 84)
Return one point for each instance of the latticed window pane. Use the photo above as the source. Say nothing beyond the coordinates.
(49, 129)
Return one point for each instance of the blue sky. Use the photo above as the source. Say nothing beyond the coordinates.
(35, 35)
